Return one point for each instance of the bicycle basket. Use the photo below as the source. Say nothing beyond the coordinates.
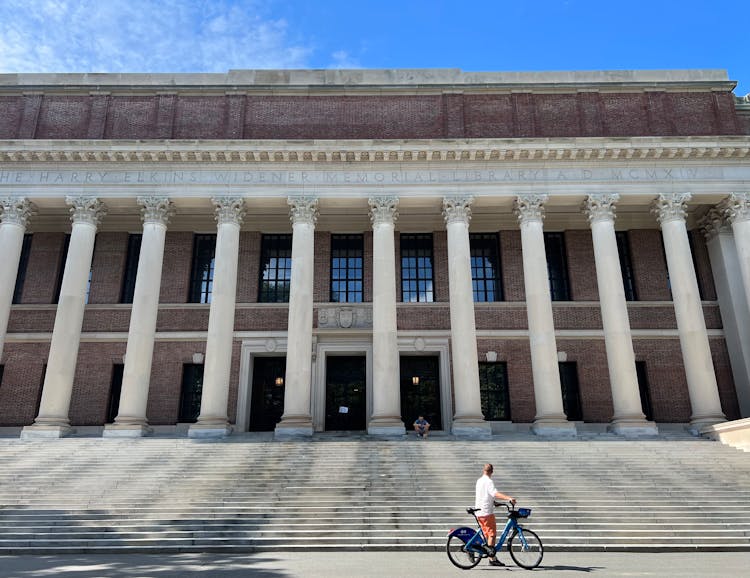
(524, 512)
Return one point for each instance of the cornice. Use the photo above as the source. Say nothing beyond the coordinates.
(373, 151)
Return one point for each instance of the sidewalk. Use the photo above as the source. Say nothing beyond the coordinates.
(369, 564)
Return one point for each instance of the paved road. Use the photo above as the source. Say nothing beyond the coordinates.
(375, 564)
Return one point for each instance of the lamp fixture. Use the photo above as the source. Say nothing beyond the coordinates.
(415, 380)
(279, 381)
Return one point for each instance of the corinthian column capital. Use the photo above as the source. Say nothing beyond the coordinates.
(303, 210)
(383, 210)
(670, 207)
(530, 207)
(738, 207)
(156, 210)
(87, 210)
(229, 210)
(600, 207)
(713, 223)
(457, 209)
(16, 210)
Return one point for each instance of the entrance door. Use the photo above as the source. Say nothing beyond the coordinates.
(346, 402)
(267, 403)
(420, 390)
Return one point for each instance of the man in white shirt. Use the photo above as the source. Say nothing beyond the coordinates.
(486, 494)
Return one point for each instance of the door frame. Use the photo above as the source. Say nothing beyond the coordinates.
(267, 345)
(338, 346)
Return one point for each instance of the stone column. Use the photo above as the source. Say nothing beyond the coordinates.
(550, 418)
(213, 420)
(628, 419)
(468, 418)
(386, 388)
(52, 421)
(733, 303)
(670, 211)
(15, 215)
(738, 214)
(297, 420)
(131, 415)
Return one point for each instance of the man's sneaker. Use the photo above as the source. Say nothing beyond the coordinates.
(496, 563)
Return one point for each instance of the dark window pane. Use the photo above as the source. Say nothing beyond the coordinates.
(493, 387)
(485, 269)
(570, 390)
(643, 387)
(557, 266)
(416, 268)
(202, 276)
(347, 254)
(61, 272)
(275, 268)
(190, 395)
(115, 389)
(23, 264)
(131, 268)
(626, 265)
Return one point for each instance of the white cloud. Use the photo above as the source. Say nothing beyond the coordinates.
(342, 59)
(143, 36)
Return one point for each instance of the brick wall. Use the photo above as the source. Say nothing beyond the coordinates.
(108, 267)
(184, 116)
(248, 267)
(511, 259)
(579, 248)
(44, 268)
(649, 265)
(175, 274)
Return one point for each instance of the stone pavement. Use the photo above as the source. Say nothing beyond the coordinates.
(369, 564)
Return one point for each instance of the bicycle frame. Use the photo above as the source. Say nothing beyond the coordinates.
(475, 539)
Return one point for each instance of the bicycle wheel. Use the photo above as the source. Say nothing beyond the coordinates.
(459, 555)
(526, 556)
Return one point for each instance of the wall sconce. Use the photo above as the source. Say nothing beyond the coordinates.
(415, 380)
(279, 381)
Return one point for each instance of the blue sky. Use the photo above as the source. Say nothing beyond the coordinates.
(482, 35)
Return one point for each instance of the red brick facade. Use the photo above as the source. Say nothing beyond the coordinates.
(417, 116)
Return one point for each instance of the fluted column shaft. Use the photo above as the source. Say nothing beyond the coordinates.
(213, 420)
(386, 393)
(468, 418)
(738, 214)
(550, 417)
(297, 419)
(628, 416)
(53, 420)
(131, 416)
(15, 214)
(670, 210)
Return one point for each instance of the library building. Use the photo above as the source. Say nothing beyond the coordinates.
(305, 251)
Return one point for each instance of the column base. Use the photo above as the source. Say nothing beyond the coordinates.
(295, 426)
(45, 432)
(209, 430)
(554, 427)
(126, 430)
(697, 423)
(473, 427)
(386, 426)
(633, 428)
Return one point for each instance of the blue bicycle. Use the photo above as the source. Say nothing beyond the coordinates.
(466, 546)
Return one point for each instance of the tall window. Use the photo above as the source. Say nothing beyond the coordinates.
(202, 276)
(557, 266)
(571, 395)
(493, 388)
(190, 395)
(2, 369)
(23, 264)
(275, 268)
(115, 388)
(416, 268)
(131, 268)
(485, 267)
(626, 265)
(346, 268)
(61, 271)
(643, 388)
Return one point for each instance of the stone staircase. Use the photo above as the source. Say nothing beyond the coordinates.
(249, 493)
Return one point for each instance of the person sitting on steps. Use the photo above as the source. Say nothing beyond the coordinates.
(422, 427)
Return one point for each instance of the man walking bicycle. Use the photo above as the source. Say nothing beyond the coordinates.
(486, 494)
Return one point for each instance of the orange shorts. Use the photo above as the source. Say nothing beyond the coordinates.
(488, 525)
